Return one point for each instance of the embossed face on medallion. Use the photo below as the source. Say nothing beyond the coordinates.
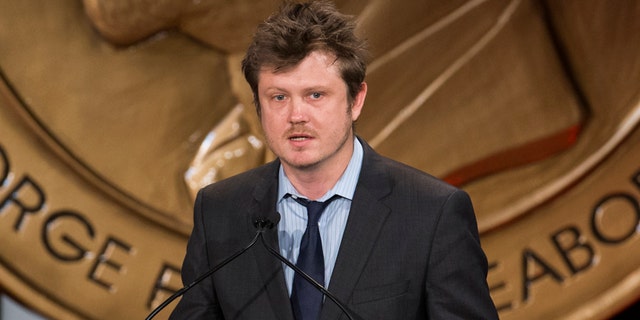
(113, 118)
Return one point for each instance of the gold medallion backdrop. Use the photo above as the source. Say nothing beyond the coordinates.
(114, 113)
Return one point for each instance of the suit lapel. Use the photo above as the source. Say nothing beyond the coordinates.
(270, 268)
(366, 218)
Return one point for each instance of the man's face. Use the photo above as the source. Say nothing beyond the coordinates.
(306, 116)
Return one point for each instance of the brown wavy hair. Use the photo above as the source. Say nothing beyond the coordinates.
(297, 29)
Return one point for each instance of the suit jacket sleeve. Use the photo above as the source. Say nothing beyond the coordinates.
(200, 301)
(457, 271)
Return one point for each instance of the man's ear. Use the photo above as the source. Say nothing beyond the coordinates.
(358, 102)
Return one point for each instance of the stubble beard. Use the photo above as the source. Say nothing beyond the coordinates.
(323, 158)
(349, 133)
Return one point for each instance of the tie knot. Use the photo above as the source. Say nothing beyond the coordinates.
(314, 208)
(314, 211)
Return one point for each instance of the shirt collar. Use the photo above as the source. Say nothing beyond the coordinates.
(345, 187)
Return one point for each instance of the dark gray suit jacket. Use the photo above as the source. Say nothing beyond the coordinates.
(410, 250)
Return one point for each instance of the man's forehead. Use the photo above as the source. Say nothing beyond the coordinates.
(283, 66)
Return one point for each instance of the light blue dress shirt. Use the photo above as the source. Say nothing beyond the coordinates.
(293, 221)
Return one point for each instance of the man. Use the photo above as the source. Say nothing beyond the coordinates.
(393, 243)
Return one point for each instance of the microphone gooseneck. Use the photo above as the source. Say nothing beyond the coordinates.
(313, 282)
(262, 224)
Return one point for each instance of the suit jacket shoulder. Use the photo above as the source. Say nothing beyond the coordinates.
(410, 249)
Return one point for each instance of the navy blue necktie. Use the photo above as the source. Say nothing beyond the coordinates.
(306, 300)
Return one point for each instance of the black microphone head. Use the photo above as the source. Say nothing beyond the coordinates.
(267, 223)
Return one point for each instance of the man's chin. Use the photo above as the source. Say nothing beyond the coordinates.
(300, 163)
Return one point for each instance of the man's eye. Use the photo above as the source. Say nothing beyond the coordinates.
(316, 95)
(279, 97)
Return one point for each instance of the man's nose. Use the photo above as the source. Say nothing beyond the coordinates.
(298, 111)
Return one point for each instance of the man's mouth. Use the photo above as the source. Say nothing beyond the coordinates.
(299, 137)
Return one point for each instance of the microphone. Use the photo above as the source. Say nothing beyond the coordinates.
(262, 224)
